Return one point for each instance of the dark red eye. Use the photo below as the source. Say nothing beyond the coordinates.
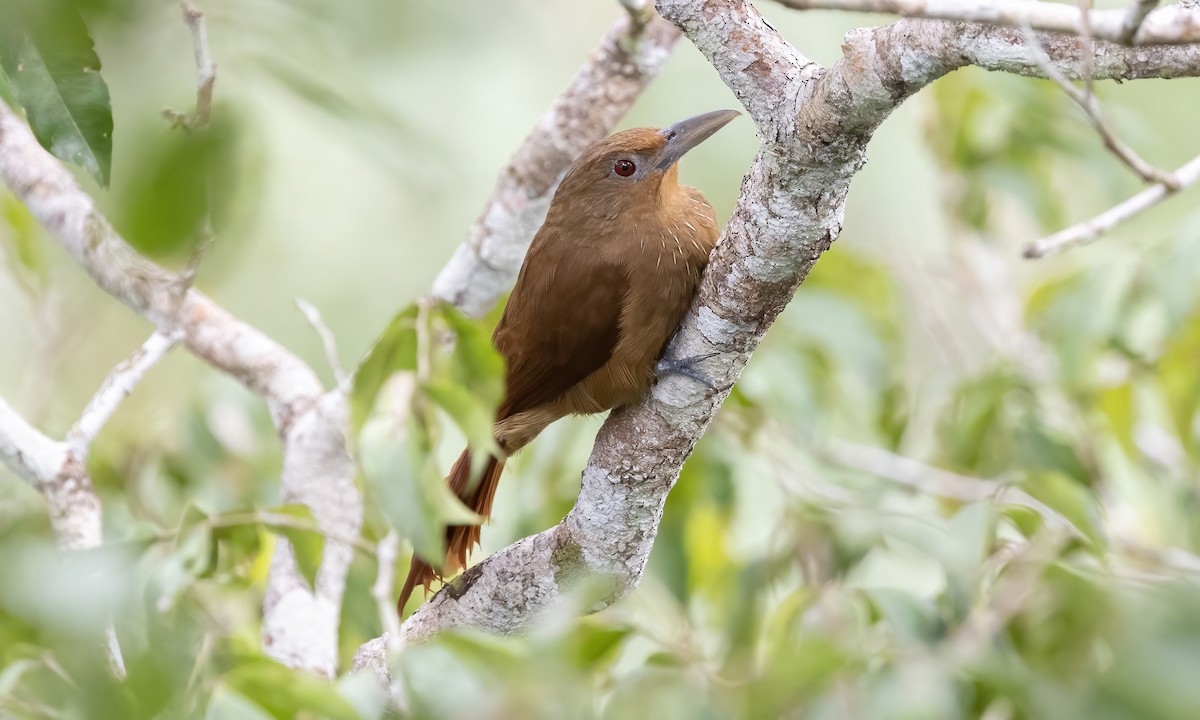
(624, 168)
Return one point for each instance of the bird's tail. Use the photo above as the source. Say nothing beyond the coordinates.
(459, 538)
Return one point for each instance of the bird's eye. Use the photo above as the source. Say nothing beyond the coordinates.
(624, 168)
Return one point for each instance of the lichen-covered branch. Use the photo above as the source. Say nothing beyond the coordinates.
(602, 91)
(814, 125)
(1176, 25)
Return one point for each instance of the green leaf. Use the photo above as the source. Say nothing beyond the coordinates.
(473, 417)
(307, 545)
(227, 704)
(1040, 449)
(475, 363)
(11, 675)
(412, 493)
(23, 247)
(469, 384)
(53, 72)
(181, 179)
(1027, 520)
(287, 693)
(1116, 405)
(1179, 378)
(7, 94)
(396, 349)
(193, 556)
(912, 619)
(1072, 500)
(363, 690)
(590, 643)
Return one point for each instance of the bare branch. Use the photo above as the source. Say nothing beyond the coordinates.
(331, 354)
(386, 554)
(382, 591)
(206, 69)
(917, 475)
(602, 91)
(116, 387)
(1091, 107)
(1174, 25)
(1088, 231)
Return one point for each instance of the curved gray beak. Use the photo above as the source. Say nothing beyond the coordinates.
(687, 134)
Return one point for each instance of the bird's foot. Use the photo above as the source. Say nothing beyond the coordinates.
(687, 368)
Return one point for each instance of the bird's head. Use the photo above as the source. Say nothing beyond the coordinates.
(633, 166)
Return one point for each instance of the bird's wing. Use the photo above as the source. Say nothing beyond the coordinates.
(561, 323)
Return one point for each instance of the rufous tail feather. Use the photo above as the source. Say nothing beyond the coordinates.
(460, 539)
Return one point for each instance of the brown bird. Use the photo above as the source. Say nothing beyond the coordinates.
(605, 283)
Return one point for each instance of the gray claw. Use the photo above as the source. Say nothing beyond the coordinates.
(686, 368)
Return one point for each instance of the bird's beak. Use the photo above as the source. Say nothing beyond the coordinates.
(687, 134)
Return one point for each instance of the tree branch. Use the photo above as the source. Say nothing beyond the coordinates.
(1091, 107)
(602, 91)
(117, 386)
(206, 70)
(313, 316)
(1088, 231)
(1167, 26)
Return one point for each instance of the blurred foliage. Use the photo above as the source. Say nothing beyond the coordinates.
(183, 186)
(787, 580)
(457, 372)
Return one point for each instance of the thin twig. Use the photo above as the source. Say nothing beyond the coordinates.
(640, 13)
(327, 340)
(1091, 108)
(206, 69)
(1134, 19)
(187, 277)
(386, 553)
(1175, 25)
(1008, 596)
(206, 78)
(915, 474)
(1086, 232)
(115, 388)
(273, 519)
